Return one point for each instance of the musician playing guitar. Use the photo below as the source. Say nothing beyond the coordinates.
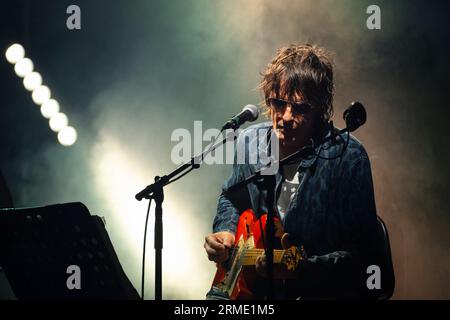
(325, 202)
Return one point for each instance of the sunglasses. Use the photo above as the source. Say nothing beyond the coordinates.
(279, 105)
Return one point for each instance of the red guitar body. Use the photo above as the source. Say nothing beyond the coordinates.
(239, 282)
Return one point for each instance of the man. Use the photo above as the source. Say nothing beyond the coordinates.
(325, 201)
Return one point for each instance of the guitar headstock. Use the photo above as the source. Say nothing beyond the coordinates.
(292, 257)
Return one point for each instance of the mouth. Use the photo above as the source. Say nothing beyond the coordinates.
(287, 135)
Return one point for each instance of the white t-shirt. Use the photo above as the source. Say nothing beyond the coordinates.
(289, 187)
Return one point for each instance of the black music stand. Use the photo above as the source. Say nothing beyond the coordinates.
(37, 245)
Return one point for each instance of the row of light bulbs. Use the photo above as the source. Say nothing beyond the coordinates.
(41, 94)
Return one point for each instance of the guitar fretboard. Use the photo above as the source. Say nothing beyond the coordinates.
(251, 254)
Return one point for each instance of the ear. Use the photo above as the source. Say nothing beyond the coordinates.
(285, 243)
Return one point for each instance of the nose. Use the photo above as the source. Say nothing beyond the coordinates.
(287, 114)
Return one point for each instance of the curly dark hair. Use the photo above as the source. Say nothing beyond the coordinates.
(302, 69)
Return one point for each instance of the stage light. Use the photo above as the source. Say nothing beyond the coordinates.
(32, 81)
(67, 136)
(41, 95)
(15, 53)
(24, 67)
(49, 108)
(58, 122)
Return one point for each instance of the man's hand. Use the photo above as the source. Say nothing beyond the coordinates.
(280, 270)
(218, 244)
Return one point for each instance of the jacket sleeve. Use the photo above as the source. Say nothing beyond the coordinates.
(345, 270)
(227, 215)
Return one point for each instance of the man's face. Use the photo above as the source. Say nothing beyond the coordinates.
(292, 120)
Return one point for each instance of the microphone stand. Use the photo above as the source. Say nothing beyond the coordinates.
(155, 191)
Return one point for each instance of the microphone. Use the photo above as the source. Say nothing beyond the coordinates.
(248, 113)
(355, 116)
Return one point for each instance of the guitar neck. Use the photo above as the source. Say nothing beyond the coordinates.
(251, 254)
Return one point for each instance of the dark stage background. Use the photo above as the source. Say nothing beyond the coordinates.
(137, 70)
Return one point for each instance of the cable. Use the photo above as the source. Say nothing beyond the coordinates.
(143, 251)
(325, 148)
(342, 152)
(180, 176)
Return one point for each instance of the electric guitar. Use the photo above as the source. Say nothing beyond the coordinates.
(236, 278)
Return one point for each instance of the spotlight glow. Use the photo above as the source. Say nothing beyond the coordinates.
(24, 67)
(15, 53)
(41, 95)
(116, 172)
(49, 108)
(58, 122)
(67, 136)
(32, 81)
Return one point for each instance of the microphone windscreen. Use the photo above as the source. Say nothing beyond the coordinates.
(355, 116)
(253, 110)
